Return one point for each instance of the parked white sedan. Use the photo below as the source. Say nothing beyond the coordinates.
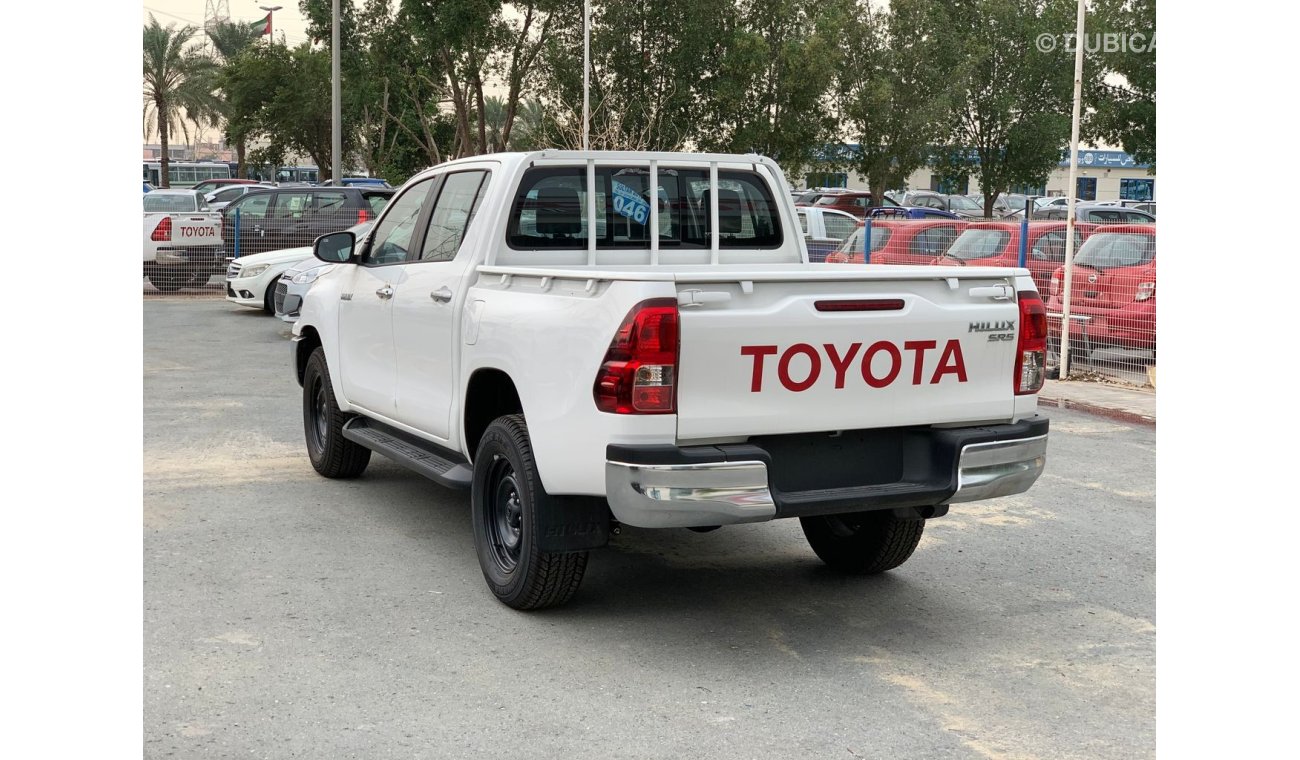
(250, 280)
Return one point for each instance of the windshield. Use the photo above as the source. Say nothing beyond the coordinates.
(1108, 250)
(168, 203)
(962, 203)
(979, 244)
(853, 244)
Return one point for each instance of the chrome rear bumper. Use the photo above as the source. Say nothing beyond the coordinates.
(822, 474)
(688, 495)
(1000, 468)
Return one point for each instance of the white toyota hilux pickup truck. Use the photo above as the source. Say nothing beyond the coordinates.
(182, 240)
(591, 339)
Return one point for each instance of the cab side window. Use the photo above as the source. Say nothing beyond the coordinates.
(457, 202)
(391, 241)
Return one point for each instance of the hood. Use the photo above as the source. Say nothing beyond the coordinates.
(306, 265)
(276, 257)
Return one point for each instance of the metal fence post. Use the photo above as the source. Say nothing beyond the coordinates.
(1024, 239)
(236, 233)
(866, 241)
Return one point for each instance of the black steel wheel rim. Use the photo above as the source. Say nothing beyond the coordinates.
(319, 419)
(504, 515)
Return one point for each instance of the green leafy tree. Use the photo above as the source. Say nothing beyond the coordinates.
(283, 95)
(1010, 118)
(177, 85)
(893, 91)
(1122, 91)
(229, 39)
(776, 70)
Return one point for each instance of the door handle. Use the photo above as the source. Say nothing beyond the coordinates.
(385, 292)
(441, 295)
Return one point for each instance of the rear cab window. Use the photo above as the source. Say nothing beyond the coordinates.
(550, 212)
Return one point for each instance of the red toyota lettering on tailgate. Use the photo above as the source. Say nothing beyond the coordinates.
(877, 374)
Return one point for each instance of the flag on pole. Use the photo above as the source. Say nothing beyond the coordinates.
(261, 27)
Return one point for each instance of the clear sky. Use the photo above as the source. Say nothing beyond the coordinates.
(287, 21)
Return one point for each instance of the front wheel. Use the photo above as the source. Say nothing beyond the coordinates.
(507, 500)
(331, 454)
(862, 543)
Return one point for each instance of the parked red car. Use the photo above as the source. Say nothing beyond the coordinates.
(901, 241)
(853, 201)
(997, 244)
(1113, 293)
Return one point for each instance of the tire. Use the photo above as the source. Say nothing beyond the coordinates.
(862, 543)
(507, 499)
(167, 283)
(268, 300)
(331, 454)
(1077, 356)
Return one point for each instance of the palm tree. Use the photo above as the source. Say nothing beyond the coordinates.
(229, 39)
(177, 84)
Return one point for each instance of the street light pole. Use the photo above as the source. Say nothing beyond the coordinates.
(1064, 360)
(336, 104)
(586, 75)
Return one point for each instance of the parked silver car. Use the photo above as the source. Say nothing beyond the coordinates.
(298, 279)
(218, 199)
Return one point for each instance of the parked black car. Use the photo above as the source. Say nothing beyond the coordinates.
(292, 217)
(1098, 214)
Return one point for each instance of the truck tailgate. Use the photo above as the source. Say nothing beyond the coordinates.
(804, 354)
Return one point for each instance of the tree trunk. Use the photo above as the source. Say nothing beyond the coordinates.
(164, 161)
(482, 114)
(241, 168)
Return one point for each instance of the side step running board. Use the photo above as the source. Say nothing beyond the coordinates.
(430, 460)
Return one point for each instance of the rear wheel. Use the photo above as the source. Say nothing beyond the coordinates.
(507, 501)
(331, 454)
(862, 543)
(167, 283)
(1077, 355)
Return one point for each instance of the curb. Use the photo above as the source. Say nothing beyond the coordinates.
(1120, 415)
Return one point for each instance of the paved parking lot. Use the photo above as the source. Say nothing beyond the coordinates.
(291, 616)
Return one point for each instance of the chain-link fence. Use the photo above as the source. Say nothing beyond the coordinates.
(192, 254)
(1111, 301)
(1111, 298)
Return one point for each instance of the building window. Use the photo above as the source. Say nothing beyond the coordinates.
(1086, 189)
(827, 179)
(1137, 189)
(949, 185)
(1029, 190)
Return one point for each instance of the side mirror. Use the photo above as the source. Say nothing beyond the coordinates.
(335, 248)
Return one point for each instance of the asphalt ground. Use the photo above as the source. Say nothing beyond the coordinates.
(291, 616)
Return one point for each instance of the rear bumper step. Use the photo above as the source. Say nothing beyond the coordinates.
(912, 470)
(428, 459)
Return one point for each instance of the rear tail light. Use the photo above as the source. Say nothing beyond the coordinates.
(363, 216)
(1031, 347)
(1145, 291)
(639, 373)
(1054, 287)
(163, 232)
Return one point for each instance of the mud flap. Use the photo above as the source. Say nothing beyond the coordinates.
(574, 524)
